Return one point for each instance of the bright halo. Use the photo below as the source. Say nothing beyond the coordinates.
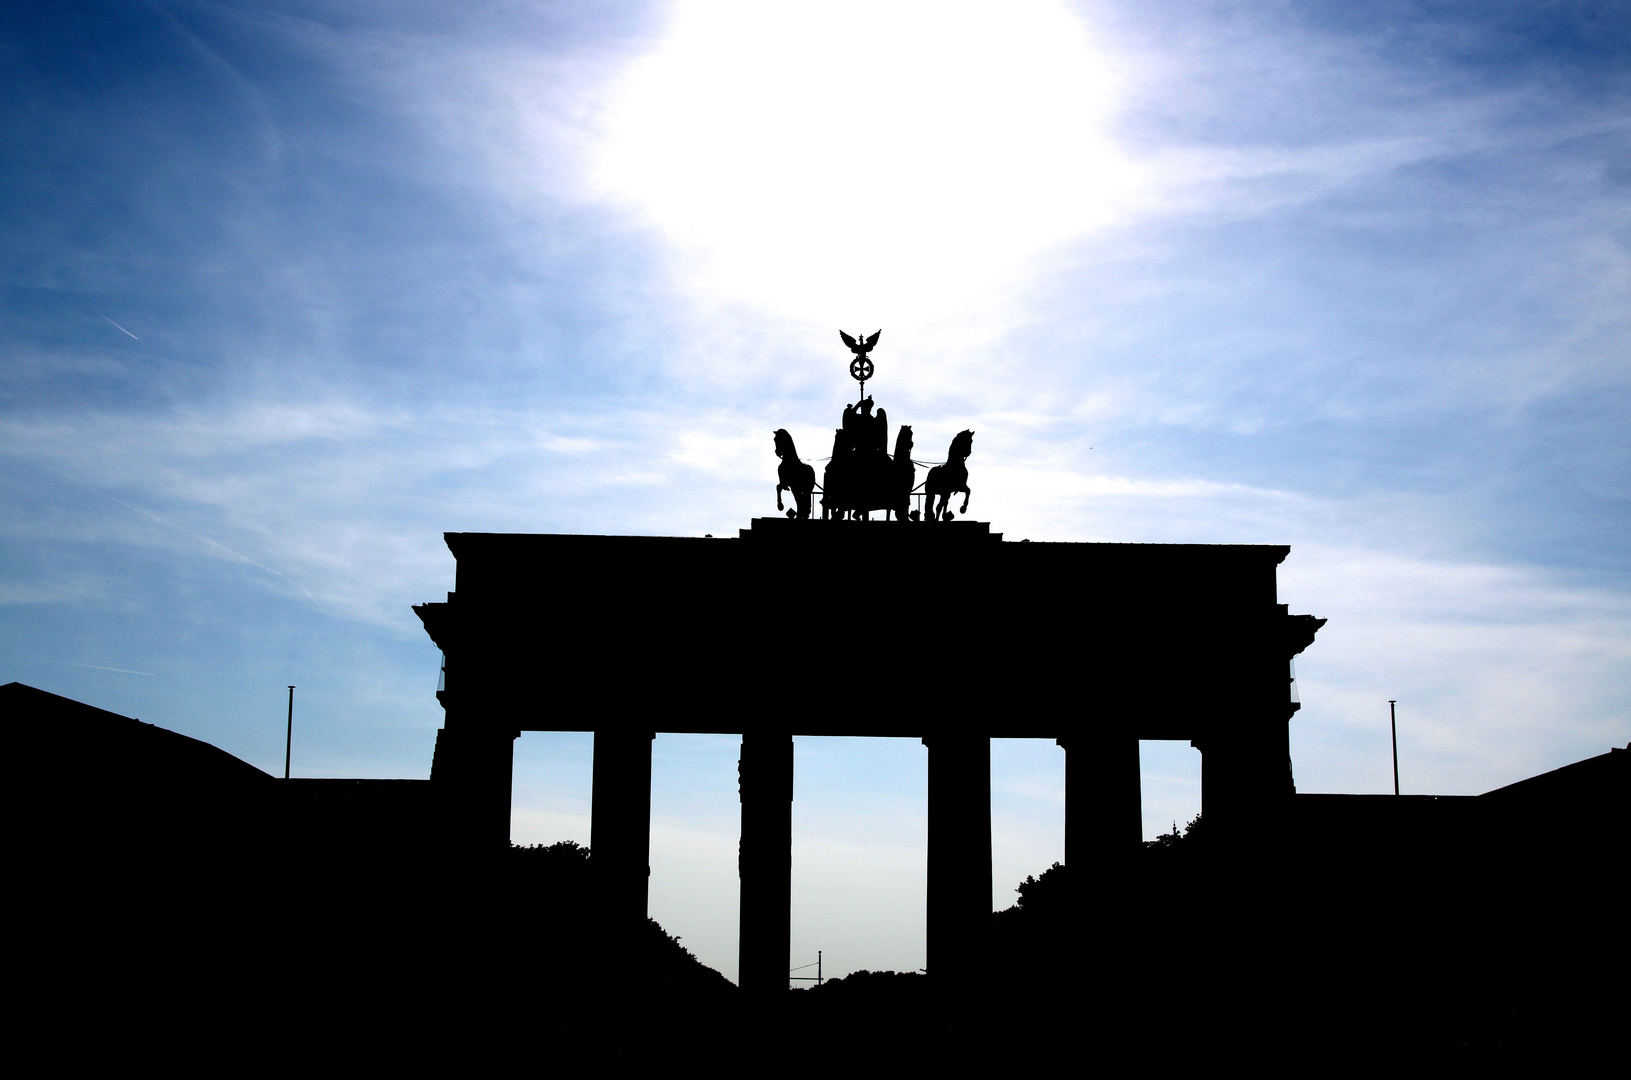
(892, 158)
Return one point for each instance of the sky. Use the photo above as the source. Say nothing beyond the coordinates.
(290, 289)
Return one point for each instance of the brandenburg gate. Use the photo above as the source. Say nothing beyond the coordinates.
(1096, 646)
(967, 637)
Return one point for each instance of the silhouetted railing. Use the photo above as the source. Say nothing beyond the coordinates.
(916, 497)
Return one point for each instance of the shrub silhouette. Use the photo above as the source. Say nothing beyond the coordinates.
(553, 885)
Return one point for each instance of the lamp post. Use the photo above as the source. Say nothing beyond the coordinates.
(1393, 725)
(289, 736)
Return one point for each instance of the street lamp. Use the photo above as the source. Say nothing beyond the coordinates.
(1393, 724)
(289, 736)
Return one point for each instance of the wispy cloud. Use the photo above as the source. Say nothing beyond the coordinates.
(214, 545)
(99, 667)
(1500, 671)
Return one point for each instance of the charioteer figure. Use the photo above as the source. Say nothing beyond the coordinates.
(865, 433)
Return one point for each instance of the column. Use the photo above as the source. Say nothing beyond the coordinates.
(1104, 803)
(765, 862)
(1104, 829)
(959, 887)
(1247, 785)
(1246, 781)
(620, 832)
(473, 769)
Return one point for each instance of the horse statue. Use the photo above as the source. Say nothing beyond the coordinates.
(944, 480)
(793, 475)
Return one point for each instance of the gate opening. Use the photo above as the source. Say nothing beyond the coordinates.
(1170, 777)
(1027, 813)
(696, 819)
(860, 853)
(550, 787)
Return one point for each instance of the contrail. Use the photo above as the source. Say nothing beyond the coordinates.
(99, 667)
(117, 326)
(189, 532)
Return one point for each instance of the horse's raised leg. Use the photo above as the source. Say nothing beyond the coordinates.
(966, 494)
(779, 496)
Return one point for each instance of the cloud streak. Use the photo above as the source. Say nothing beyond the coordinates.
(121, 329)
(98, 667)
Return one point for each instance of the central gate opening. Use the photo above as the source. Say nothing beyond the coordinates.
(860, 854)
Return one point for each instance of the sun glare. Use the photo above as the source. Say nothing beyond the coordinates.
(880, 159)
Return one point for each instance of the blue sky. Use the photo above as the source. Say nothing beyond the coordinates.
(290, 289)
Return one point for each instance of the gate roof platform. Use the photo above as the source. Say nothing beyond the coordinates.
(865, 628)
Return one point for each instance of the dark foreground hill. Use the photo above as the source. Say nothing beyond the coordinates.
(178, 909)
(176, 906)
(272, 959)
